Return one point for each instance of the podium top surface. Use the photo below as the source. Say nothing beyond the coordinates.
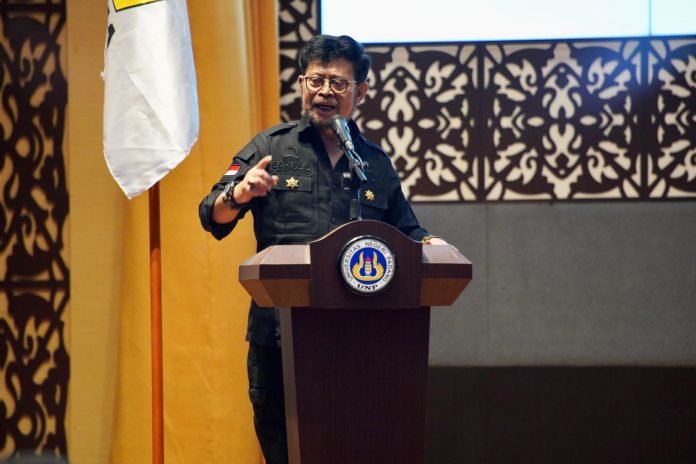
(309, 275)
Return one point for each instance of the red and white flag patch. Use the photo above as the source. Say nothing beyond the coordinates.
(232, 170)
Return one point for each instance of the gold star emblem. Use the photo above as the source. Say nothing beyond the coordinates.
(369, 195)
(292, 183)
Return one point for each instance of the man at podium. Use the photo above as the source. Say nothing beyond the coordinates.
(291, 178)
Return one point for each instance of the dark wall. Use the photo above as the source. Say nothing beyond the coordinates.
(549, 355)
(588, 415)
(599, 283)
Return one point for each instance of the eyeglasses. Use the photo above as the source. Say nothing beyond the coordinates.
(315, 84)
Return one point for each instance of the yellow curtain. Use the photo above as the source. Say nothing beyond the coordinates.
(207, 415)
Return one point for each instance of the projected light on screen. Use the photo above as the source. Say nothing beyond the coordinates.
(392, 21)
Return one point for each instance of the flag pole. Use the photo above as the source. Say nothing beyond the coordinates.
(156, 327)
(166, 97)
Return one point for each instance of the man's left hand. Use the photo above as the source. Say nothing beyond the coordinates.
(435, 241)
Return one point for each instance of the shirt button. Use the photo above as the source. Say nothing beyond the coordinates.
(333, 220)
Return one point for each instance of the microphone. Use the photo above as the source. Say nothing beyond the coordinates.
(340, 127)
(358, 177)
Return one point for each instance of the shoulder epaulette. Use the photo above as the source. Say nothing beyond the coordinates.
(371, 144)
(279, 128)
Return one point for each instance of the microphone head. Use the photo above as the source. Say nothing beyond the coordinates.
(337, 121)
(340, 127)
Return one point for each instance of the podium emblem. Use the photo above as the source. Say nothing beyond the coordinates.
(367, 265)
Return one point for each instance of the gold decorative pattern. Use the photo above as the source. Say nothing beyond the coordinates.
(34, 277)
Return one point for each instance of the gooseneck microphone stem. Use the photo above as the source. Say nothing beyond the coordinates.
(345, 141)
(355, 163)
(358, 179)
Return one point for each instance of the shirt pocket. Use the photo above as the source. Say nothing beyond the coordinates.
(373, 200)
(294, 198)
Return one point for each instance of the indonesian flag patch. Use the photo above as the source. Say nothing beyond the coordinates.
(232, 170)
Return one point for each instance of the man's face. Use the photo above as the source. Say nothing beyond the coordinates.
(324, 103)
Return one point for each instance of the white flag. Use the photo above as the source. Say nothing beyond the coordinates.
(150, 97)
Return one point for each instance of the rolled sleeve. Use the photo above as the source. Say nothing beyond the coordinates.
(205, 213)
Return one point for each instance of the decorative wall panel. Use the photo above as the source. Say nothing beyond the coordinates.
(557, 120)
(34, 277)
(670, 150)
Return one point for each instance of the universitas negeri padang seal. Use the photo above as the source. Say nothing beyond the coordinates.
(367, 265)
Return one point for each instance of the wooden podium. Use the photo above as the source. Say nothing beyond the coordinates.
(355, 365)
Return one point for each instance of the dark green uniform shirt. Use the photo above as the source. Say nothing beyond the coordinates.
(309, 200)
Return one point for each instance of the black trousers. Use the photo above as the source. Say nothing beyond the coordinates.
(265, 370)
